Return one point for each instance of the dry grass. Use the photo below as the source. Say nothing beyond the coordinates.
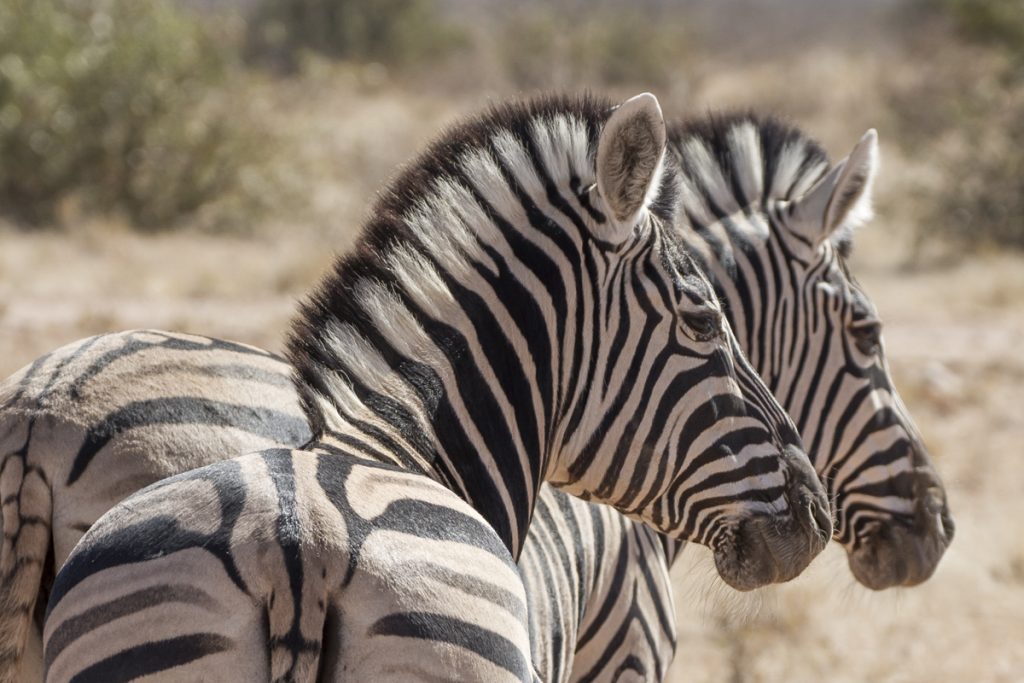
(952, 336)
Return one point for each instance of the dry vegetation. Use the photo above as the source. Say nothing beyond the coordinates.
(953, 327)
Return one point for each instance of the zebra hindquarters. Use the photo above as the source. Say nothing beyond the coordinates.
(289, 566)
(174, 618)
(159, 586)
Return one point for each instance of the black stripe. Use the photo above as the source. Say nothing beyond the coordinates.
(271, 424)
(154, 657)
(289, 538)
(161, 535)
(171, 343)
(75, 627)
(483, 642)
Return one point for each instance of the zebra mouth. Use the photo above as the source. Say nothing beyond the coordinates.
(766, 549)
(905, 552)
(762, 551)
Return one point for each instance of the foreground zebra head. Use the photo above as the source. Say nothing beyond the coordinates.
(775, 228)
(520, 309)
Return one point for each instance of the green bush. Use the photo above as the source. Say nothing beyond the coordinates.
(397, 33)
(116, 103)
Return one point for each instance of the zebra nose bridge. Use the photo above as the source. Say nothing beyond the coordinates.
(759, 404)
(758, 401)
(919, 457)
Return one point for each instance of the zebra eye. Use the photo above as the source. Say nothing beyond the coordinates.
(867, 334)
(705, 324)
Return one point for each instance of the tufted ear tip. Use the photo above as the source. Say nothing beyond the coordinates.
(841, 200)
(866, 150)
(644, 100)
(645, 104)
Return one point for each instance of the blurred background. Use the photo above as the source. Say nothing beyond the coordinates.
(194, 165)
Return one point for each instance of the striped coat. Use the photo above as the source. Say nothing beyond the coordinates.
(398, 400)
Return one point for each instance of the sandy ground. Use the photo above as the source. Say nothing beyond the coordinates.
(953, 335)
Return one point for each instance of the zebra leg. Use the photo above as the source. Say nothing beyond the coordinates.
(599, 593)
(289, 566)
(628, 629)
(25, 492)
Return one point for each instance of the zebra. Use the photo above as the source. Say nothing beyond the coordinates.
(599, 617)
(470, 347)
(94, 421)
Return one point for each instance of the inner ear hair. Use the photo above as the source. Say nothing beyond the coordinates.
(630, 155)
(633, 158)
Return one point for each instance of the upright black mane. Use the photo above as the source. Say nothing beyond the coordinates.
(387, 229)
(789, 158)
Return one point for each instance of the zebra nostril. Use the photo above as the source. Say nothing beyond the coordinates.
(932, 517)
(948, 526)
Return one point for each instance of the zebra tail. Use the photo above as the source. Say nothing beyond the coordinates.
(26, 549)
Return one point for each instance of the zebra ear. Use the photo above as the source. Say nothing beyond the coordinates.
(630, 154)
(842, 199)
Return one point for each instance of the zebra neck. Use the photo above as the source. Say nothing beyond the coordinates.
(452, 341)
(468, 390)
(499, 479)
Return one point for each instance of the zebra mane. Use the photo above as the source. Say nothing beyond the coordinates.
(430, 232)
(732, 161)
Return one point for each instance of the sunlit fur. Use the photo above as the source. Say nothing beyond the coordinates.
(794, 305)
(90, 423)
(479, 340)
(596, 607)
(497, 324)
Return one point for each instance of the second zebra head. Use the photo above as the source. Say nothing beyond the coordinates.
(772, 223)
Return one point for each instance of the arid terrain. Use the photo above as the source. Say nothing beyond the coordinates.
(953, 330)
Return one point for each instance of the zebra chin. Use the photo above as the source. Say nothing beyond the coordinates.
(764, 549)
(906, 552)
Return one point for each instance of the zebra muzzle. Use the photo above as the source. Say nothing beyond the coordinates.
(767, 549)
(906, 552)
